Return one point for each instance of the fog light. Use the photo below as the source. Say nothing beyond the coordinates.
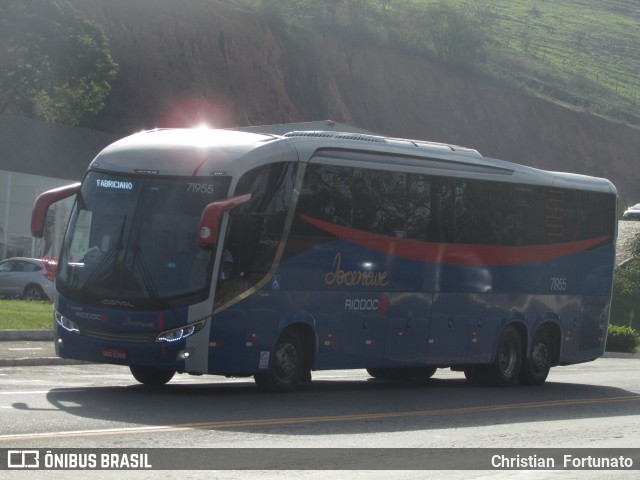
(186, 353)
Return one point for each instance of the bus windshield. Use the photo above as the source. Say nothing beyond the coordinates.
(132, 241)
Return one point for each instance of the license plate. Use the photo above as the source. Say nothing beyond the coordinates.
(116, 353)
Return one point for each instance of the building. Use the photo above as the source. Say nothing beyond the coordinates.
(36, 156)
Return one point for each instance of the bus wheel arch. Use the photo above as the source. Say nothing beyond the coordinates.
(291, 361)
(542, 355)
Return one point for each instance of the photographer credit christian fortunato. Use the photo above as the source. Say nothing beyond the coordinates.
(568, 462)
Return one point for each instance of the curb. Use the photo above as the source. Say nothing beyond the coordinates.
(33, 336)
(26, 335)
(39, 362)
(621, 355)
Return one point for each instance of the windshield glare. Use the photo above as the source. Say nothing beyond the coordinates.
(135, 239)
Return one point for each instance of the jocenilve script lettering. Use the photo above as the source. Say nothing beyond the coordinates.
(353, 278)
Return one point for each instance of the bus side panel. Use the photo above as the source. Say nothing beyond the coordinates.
(407, 331)
(462, 328)
(584, 329)
(228, 340)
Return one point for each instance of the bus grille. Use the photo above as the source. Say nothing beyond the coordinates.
(591, 331)
(120, 337)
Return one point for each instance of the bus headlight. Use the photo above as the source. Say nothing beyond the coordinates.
(181, 333)
(64, 322)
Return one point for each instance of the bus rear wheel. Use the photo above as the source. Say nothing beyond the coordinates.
(151, 376)
(535, 369)
(505, 369)
(288, 368)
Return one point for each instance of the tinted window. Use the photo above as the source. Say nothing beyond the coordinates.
(256, 227)
(446, 209)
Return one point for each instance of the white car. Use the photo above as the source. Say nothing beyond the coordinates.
(29, 278)
(632, 213)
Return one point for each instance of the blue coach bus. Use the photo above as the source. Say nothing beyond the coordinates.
(239, 254)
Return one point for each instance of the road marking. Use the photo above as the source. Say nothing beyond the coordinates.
(24, 348)
(44, 392)
(262, 422)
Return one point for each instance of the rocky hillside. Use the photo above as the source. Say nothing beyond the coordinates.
(184, 62)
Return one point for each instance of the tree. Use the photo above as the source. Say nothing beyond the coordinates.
(54, 64)
(625, 304)
(456, 38)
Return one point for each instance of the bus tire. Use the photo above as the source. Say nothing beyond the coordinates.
(151, 376)
(288, 367)
(536, 367)
(505, 369)
(423, 373)
(508, 360)
(477, 375)
(381, 373)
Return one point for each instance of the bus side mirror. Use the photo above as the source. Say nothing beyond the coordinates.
(44, 201)
(211, 217)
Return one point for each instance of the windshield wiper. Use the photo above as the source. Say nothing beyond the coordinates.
(100, 272)
(139, 260)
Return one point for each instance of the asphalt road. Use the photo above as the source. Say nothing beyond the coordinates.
(593, 405)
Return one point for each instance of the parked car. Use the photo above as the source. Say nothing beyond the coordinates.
(29, 278)
(632, 213)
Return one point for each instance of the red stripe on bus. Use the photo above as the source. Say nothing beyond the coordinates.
(456, 253)
(198, 167)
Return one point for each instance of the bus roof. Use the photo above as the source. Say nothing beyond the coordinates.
(177, 151)
(206, 152)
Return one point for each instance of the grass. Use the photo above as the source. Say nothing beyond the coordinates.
(24, 315)
(584, 53)
(592, 40)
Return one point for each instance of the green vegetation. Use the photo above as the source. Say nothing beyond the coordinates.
(582, 53)
(625, 304)
(56, 65)
(25, 315)
(622, 339)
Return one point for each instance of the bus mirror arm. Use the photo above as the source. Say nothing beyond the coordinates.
(212, 215)
(44, 201)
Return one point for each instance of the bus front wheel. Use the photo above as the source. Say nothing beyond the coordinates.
(287, 368)
(151, 376)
